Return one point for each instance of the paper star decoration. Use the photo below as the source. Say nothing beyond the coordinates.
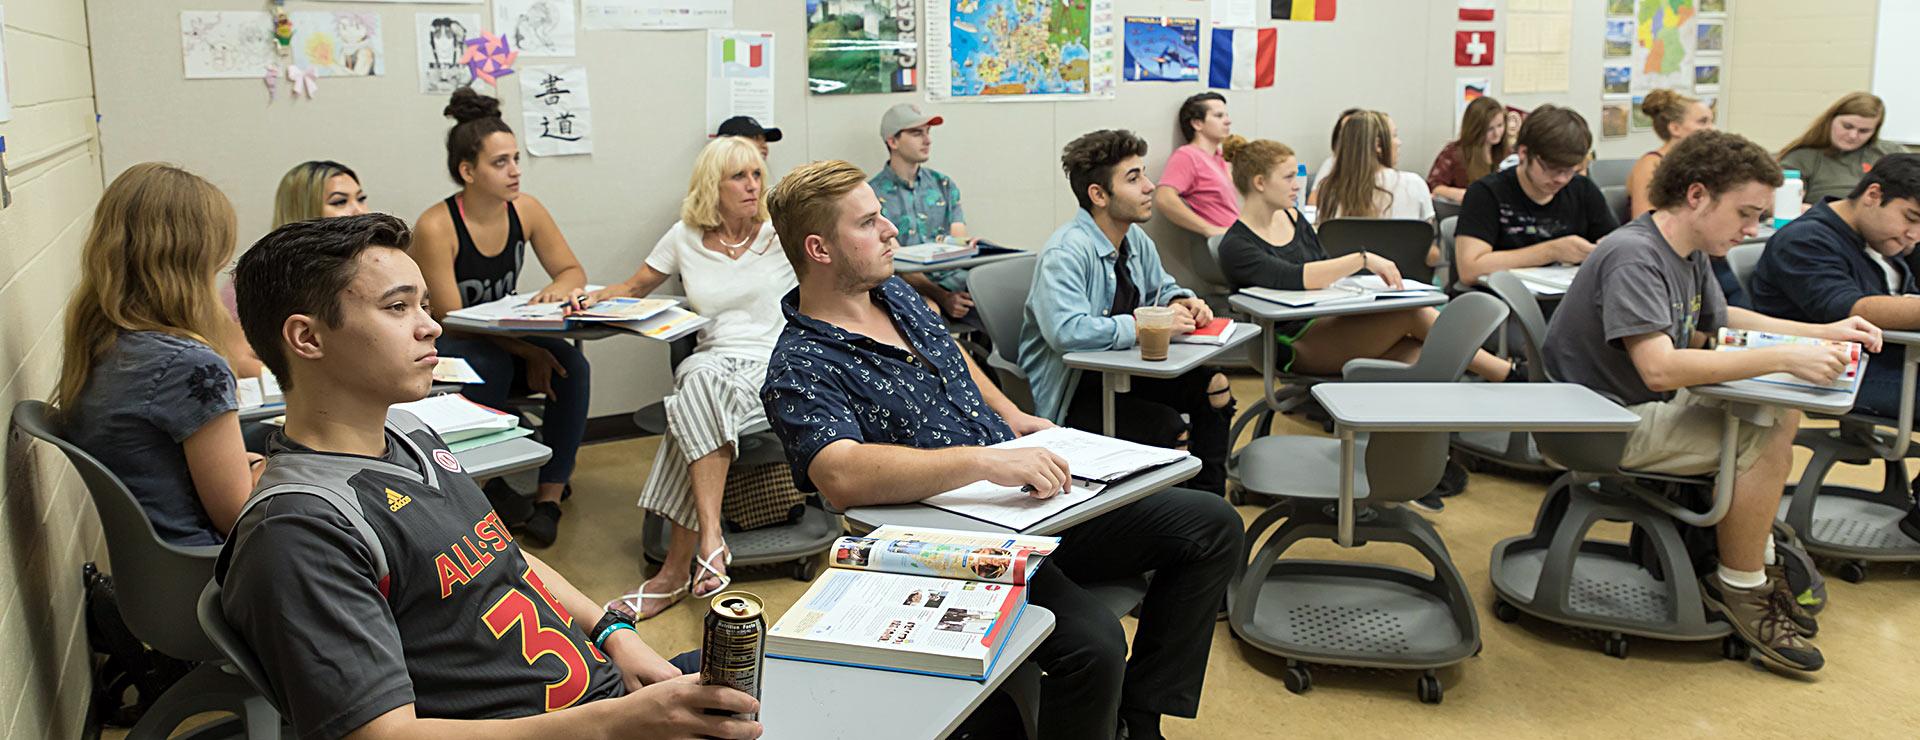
(489, 57)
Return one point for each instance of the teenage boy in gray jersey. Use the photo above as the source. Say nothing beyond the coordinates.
(381, 593)
(1637, 324)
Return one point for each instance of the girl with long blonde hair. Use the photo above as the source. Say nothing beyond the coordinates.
(1839, 146)
(1364, 182)
(142, 386)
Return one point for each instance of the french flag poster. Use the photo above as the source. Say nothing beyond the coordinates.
(1242, 58)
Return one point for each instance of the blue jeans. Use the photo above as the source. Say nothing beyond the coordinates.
(564, 419)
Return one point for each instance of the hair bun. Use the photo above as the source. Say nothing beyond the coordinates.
(1233, 147)
(467, 105)
(1658, 100)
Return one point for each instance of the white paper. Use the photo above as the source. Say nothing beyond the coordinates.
(536, 28)
(554, 104)
(439, 39)
(455, 370)
(1007, 506)
(226, 44)
(1236, 13)
(6, 107)
(740, 77)
(247, 392)
(654, 15)
(455, 418)
(1096, 457)
(1531, 73)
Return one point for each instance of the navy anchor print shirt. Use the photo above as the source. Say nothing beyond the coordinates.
(826, 384)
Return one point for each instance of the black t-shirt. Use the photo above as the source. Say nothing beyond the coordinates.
(1496, 211)
(1249, 261)
(465, 629)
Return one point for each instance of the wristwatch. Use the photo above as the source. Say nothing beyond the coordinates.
(613, 621)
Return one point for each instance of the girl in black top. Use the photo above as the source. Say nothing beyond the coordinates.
(471, 249)
(1271, 246)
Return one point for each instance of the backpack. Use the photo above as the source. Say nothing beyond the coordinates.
(347, 505)
(131, 676)
(1809, 587)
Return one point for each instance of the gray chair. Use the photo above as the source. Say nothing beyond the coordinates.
(1443, 272)
(158, 584)
(1405, 241)
(1606, 172)
(803, 542)
(1848, 525)
(228, 641)
(1362, 614)
(1513, 449)
(1742, 259)
(1618, 202)
(1000, 297)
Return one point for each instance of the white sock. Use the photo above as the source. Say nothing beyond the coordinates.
(1770, 556)
(1745, 580)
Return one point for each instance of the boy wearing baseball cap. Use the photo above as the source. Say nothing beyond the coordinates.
(747, 128)
(922, 203)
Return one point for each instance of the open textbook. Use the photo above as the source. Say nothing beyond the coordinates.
(660, 318)
(918, 600)
(1094, 462)
(1735, 340)
(1349, 289)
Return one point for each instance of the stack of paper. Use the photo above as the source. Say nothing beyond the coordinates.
(1094, 462)
(935, 251)
(457, 419)
(1547, 280)
(1350, 289)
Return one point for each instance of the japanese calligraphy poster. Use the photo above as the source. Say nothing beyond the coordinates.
(864, 47)
(553, 102)
(536, 28)
(656, 15)
(440, 39)
(739, 76)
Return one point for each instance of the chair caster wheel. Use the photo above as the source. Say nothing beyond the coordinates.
(1616, 646)
(1298, 679)
(1429, 690)
(1505, 612)
(1853, 571)
(1734, 648)
(804, 570)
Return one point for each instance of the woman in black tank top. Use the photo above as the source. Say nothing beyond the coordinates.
(471, 249)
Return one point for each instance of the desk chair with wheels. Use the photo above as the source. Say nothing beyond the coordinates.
(1361, 614)
(1513, 449)
(157, 584)
(1853, 525)
(1405, 241)
(1000, 298)
(1606, 172)
(802, 541)
(1742, 259)
(1618, 202)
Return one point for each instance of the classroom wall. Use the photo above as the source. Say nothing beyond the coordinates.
(648, 97)
(47, 524)
(1796, 58)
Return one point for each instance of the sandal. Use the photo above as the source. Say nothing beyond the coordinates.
(634, 605)
(706, 564)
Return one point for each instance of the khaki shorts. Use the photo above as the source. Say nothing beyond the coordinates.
(1682, 437)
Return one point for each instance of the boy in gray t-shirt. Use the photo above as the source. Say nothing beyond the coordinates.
(1635, 326)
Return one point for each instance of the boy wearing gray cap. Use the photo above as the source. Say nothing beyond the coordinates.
(922, 203)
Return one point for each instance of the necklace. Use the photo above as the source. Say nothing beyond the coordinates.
(722, 239)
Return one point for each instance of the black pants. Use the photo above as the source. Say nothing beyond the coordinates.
(1150, 414)
(1188, 539)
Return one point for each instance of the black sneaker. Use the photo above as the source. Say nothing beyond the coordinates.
(1453, 480)
(543, 527)
(513, 508)
(1429, 503)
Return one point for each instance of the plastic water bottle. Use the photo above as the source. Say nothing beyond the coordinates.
(1299, 196)
(1787, 198)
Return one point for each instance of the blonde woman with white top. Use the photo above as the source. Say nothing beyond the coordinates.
(733, 272)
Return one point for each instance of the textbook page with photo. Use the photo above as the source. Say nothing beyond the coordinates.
(1094, 461)
(916, 600)
(1350, 289)
(519, 312)
(1735, 340)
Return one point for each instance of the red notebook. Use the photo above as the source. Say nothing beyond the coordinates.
(1215, 332)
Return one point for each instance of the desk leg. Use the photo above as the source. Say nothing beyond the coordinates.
(1110, 384)
(1347, 444)
(1267, 360)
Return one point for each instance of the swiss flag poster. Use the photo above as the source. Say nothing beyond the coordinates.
(1472, 48)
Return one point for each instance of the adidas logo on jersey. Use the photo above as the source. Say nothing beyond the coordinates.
(396, 500)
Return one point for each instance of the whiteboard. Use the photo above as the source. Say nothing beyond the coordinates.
(1895, 57)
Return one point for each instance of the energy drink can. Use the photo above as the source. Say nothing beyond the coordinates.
(733, 649)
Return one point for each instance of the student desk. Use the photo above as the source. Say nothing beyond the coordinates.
(905, 267)
(1120, 494)
(1116, 366)
(1267, 313)
(505, 458)
(815, 700)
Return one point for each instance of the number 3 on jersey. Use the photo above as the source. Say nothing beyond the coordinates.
(538, 640)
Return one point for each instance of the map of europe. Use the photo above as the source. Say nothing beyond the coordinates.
(1659, 30)
(1020, 47)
